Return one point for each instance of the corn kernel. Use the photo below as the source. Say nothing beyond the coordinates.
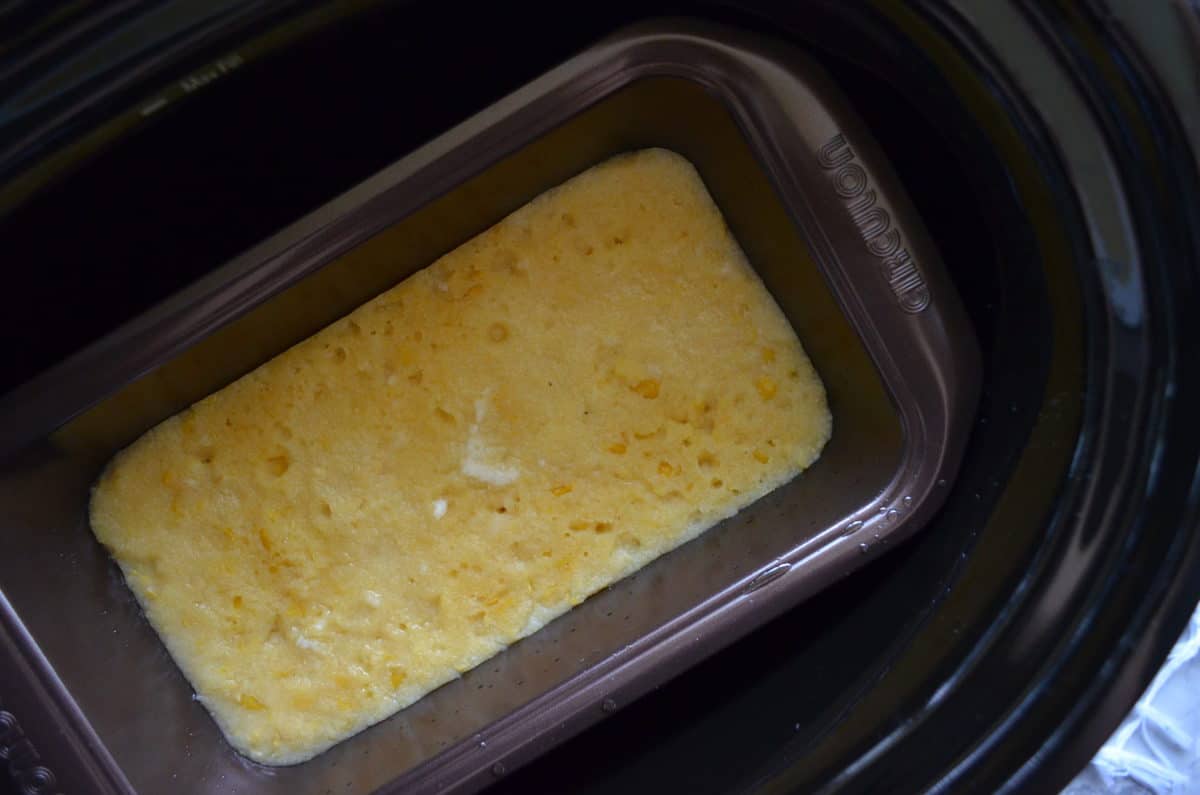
(665, 469)
(558, 491)
(768, 355)
(760, 457)
(766, 388)
(250, 702)
(618, 448)
(647, 388)
(397, 677)
(497, 332)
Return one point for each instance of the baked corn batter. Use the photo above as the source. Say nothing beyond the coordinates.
(588, 384)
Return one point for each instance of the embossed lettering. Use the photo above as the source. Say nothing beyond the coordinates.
(22, 754)
(850, 181)
(852, 184)
(886, 244)
(916, 300)
(873, 223)
(22, 759)
(36, 781)
(861, 205)
(899, 267)
(10, 731)
(830, 158)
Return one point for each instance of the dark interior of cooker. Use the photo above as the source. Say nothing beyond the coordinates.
(223, 171)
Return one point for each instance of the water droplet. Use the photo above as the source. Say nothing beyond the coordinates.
(863, 548)
(883, 509)
(852, 528)
(941, 482)
(891, 515)
(908, 500)
(499, 769)
(483, 743)
(609, 705)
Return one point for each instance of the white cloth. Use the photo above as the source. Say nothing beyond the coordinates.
(1157, 748)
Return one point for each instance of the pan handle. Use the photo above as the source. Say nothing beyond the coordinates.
(873, 249)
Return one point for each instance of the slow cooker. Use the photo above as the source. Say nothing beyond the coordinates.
(1039, 161)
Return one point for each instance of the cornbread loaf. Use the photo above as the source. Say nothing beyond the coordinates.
(588, 384)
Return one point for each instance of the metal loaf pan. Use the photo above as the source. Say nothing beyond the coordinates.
(91, 700)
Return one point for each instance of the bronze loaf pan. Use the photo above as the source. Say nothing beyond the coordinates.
(93, 697)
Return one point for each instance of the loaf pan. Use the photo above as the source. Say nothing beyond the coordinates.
(91, 700)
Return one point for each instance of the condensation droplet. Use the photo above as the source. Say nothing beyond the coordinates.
(609, 705)
(891, 515)
(941, 482)
(908, 500)
(852, 528)
(863, 548)
(499, 769)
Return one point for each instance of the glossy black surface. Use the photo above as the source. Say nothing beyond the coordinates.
(239, 161)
